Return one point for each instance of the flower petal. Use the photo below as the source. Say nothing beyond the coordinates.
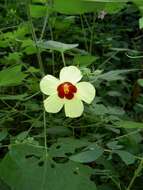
(85, 91)
(70, 74)
(53, 104)
(48, 84)
(74, 108)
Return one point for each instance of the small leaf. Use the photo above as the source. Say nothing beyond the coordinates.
(129, 124)
(140, 82)
(23, 135)
(12, 76)
(59, 131)
(87, 156)
(20, 97)
(57, 46)
(141, 23)
(114, 145)
(127, 157)
(3, 134)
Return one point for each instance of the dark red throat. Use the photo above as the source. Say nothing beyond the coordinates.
(66, 90)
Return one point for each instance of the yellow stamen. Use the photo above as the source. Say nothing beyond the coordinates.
(66, 88)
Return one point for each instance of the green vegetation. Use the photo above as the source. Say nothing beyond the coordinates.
(102, 149)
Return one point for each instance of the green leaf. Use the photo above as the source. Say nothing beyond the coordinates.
(38, 11)
(15, 56)
(59, 131)
(57, 46)
(84, 6)
(115, 110)
(114, 75)
(28, 46)
(84, 61)
(127, 157)
(12, 76)
(141, 23)
(114, 145)
(140, 82)
(3, 186)
(88, 156)
(3, 134)
(109, 1)
(24, 168)
(100, 109)
(129, 124)
(139, 3)
(39, 1)
(73, 6)
(20, 97)
(67, 145)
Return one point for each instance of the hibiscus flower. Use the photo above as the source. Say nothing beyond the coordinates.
(67, 92)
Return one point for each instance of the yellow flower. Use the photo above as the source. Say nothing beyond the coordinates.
(67, 91)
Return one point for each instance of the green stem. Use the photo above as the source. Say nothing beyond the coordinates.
(45, 134)
(63, 58)
(53, 54)
(35, 40)
(84, 32)
(42, 73)
(92, 34)
(45, 22)
(136, 173)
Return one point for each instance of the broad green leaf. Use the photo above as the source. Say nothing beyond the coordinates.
(12, 76)
(59, 131)
(139, 3)
(127, 157)
(87, 156)
(108, 1)
(114, 75)
(38, 10)
(100, 109)
(57, 46)
(140, 82)
(24, 168)
(67, 145)
(84, 6)
(84, 61)
(73, 6)
(109, 6)
(4, 186)
(129, 124)
(114, 110)
(39, 1)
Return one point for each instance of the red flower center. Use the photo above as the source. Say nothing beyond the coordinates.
(66, 90)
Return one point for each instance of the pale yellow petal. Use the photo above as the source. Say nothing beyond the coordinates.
(85, 91)
(48, 84)
(74, 108)
(53, 104)
(70, 74)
